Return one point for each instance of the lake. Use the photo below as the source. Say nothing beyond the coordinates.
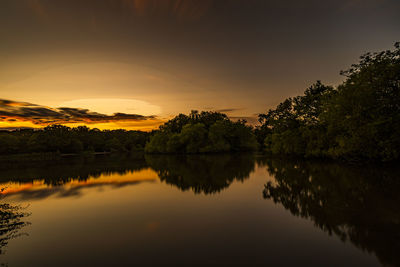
(239, 209)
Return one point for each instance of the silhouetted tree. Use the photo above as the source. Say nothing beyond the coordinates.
(204, 132)
(59, 138)
(360, 119)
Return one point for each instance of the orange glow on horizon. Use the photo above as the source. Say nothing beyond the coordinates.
(145, 126)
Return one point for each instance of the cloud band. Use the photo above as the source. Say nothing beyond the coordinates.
(11, 111)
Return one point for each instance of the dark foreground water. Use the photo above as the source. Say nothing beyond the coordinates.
(197, 210)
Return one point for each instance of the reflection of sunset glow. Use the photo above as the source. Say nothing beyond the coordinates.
(145, 175)
(13, 188)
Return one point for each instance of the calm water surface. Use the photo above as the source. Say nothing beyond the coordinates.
(198, 210)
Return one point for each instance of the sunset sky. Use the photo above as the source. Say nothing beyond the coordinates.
(135, 63)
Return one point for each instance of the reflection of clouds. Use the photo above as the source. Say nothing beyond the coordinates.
(67, 190)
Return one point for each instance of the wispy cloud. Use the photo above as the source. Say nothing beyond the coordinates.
(11, 111)
(181, 9)
(228, 110)
(252, 120)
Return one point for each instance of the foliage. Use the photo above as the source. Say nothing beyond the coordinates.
(58, 138)
(358, 120)
(205, 132)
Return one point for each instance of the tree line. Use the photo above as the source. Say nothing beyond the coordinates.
(63, 139)
(357, 120)
(204, 132)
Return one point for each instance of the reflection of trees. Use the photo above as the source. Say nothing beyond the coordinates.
(356, 204)
(74, 168)
(11, 221)
(202, 173)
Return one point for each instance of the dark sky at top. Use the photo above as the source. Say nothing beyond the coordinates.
(244, 55)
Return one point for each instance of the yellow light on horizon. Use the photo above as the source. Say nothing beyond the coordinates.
(109, 106)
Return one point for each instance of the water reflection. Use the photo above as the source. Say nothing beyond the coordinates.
(38, 180)
(71, 169)
(11, 222)
(201, 174)
(206, 174)
(356, 204)
(67, 178)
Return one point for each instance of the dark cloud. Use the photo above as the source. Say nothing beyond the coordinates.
(22, 111)
(15, 128)
(228, 110)
(252, 120)
(10, 103)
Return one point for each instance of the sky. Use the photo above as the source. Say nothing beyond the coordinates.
(134, 64)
